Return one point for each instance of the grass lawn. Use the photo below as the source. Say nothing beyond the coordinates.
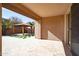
(23, 36)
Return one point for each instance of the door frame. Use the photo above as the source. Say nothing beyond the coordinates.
(66, 25)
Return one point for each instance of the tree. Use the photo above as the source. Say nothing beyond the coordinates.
(9, 23)
(6, 23)
(32, 24)
(3, 25)
(16, 20)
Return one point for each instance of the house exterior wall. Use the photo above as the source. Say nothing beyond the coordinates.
(53, 28)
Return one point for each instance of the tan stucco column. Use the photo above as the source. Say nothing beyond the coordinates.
(0, 31)
(65, 28)
(38, 29)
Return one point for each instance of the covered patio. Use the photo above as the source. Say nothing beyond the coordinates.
(50, 30)
(31, 47)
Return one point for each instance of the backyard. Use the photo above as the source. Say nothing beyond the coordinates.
(17, 26)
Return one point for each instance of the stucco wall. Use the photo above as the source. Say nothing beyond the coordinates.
(0, 31)
(0, 37)
(38, 29)
(53, 28)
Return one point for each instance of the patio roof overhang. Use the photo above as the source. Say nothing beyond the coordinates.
(39, 10)
(49, 9)
(19, 8)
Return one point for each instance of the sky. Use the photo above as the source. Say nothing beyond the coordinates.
(6, 13)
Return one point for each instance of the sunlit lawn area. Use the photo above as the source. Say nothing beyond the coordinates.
(19, 36)
(23, 36)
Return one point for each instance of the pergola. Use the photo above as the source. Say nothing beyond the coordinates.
(23, 26)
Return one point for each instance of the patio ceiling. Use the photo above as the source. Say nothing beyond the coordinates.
(39, 10)
(48, 9)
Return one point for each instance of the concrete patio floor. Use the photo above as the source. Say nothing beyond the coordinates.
(12, 46)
